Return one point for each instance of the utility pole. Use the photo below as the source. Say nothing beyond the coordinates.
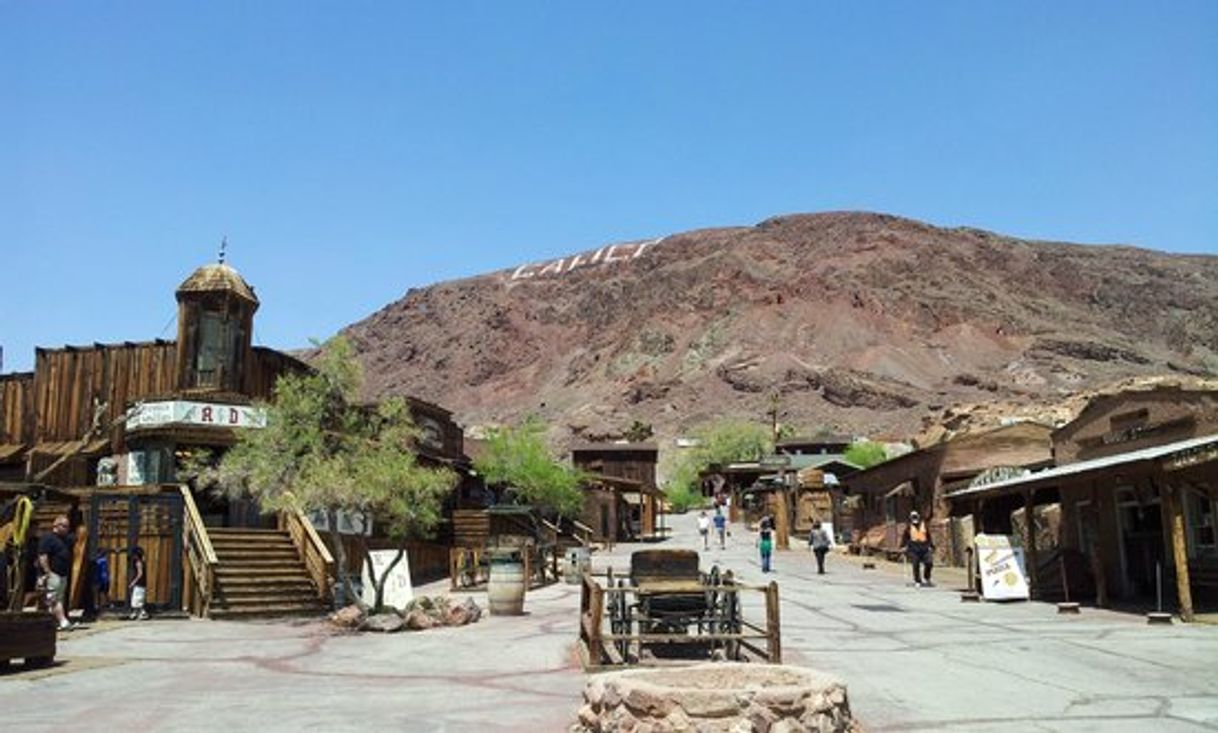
(774, 398)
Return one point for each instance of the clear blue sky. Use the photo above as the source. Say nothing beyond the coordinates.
(353, 150)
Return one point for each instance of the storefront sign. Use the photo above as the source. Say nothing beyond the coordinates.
(349, 523)
(1194, 457)
(398, 591)
(1003, 575)
(181, 412)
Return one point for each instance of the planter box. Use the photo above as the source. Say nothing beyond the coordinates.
(28, 636)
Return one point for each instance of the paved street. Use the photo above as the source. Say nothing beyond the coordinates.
(914, 659)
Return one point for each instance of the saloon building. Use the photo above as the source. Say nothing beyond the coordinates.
(102, 431)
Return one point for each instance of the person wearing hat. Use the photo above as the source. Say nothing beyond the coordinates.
(920, 548)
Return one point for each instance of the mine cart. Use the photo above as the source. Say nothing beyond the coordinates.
(667, 608)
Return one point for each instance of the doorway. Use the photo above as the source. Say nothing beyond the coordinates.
(1140, 524)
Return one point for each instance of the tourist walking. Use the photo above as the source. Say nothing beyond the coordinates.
(138, 585)
(818, 540)
(704, 524)
(765, 542)
(55, 562)
(721, 528)
(920, 549)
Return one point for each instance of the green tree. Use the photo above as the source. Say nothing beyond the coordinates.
(517, 457)
(639, 431)
(719, 443)
(865, 453)
(324, 451)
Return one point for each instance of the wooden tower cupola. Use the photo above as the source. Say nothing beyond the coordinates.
(215, 327)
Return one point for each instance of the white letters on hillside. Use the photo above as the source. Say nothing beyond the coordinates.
(605, 255)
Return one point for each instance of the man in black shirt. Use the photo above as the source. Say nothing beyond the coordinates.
(55, 562)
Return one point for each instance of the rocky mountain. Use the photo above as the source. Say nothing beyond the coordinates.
(859, 322)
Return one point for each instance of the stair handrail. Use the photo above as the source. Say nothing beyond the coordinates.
(199, 551)
(313, 551)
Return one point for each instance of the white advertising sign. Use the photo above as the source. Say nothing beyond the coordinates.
(352, 523)
(182, 412)
(1003, 574)
(398, 591)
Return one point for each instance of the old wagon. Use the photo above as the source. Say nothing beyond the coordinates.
(668, 608)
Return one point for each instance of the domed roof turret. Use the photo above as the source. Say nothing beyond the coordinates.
(217, 277)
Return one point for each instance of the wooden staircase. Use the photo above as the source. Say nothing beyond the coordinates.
(260, 573)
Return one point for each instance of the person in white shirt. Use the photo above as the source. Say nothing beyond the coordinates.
(704, 524)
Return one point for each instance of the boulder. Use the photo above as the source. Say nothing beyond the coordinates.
(350, 617)
(387, 623)
(418, 620)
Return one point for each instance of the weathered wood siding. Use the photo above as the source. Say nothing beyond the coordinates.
(67, 382)
(17, 408)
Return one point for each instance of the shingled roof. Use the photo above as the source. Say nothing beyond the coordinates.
(217, 277)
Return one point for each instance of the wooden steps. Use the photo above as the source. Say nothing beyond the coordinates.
(260, 574)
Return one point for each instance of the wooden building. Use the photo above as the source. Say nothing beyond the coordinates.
(1136, 482)
(920, 480)
(111, 424)
(621, 500)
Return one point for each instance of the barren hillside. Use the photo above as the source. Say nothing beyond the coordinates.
(861, 322)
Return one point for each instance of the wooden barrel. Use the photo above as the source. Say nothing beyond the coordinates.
(505, 588)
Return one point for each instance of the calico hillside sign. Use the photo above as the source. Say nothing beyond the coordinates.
(606, 255)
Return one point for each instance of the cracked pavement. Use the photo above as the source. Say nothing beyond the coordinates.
(913, 659)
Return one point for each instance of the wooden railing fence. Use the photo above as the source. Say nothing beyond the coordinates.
(313, 551)
(200, 556)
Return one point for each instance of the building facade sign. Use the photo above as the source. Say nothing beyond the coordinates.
(182, 412)
(398, 590)
(349, 523)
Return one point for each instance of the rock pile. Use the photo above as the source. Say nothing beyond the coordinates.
(716, 698)
(422, 613)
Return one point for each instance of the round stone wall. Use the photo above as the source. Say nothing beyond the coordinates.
(715, 698)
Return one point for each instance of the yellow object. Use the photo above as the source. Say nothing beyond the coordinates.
(21, 519)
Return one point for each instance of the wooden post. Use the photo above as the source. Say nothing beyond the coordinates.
(773, 625)
(782, 519)
(1030, 544)
(1173, 502)
(596, 614)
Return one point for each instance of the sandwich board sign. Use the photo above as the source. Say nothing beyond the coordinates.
(398, 591)
(1003, 574)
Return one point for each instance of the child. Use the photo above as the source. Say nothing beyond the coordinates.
(721, 528)
(138, 585)
(101, 580)
(704, 529)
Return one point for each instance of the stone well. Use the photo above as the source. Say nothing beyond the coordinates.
(709, 698)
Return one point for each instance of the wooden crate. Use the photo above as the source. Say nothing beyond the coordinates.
(28, 636)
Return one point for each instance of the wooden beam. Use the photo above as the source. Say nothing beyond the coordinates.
(1030, 543)
(782, 519)
(1173, 501)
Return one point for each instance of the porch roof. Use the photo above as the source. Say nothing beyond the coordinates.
(1200, 450)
